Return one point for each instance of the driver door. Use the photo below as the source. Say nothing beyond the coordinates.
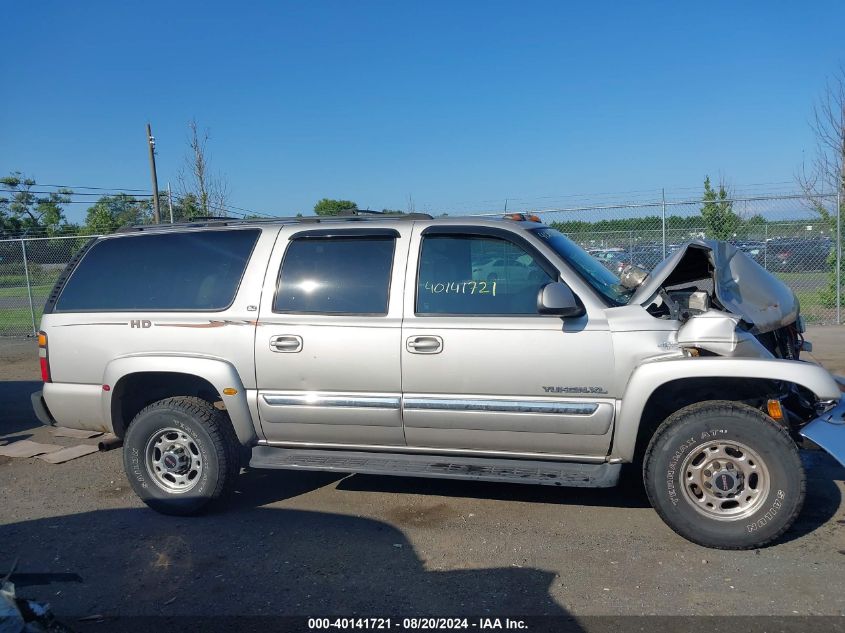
(481, 369)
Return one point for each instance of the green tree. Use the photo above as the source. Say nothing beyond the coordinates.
(327, 206)
(720, 221)
(21, 208)
(185, 208)
(111, 212)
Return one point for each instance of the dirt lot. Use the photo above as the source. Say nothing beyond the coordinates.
(294, 543)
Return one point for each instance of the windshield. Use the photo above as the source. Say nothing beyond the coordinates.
(594, 273)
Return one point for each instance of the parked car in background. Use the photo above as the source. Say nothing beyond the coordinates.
(798, 254)
(513, 266)
(756, 250)
(608, 257)
(644, 257)
(616, 259)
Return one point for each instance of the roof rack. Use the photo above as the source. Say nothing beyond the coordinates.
(351, 215)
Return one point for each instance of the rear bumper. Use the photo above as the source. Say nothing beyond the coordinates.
(828, 431)
(41, 411)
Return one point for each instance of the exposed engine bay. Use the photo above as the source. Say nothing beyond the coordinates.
(727, 304)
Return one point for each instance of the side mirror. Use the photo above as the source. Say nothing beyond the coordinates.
(556, 298)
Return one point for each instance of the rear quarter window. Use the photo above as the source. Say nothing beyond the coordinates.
(198, 270)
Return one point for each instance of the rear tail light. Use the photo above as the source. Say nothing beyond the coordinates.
(43, 358)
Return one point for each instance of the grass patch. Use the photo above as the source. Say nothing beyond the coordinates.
(20, 291)
(798, 279)
(18, 321)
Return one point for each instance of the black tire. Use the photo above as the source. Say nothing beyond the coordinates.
(212, 444)
(677, 457)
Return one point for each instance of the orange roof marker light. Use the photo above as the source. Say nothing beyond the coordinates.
(521, 217)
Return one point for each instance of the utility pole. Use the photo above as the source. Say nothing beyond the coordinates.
(152, 143)
(170, 202)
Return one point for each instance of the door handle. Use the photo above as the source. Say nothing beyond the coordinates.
(424, 344)
(289, 343)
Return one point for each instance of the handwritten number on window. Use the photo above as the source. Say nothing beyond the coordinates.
(461, 287)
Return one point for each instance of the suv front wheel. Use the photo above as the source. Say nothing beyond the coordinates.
(180, 454)
(722, 474)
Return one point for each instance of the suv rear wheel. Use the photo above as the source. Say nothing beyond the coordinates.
(722, 474)
(180, 454)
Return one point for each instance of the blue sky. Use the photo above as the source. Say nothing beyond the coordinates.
(457, 104)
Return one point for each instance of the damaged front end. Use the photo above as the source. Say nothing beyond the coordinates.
(727, 304)
(730, 306)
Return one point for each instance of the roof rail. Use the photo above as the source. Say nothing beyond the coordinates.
(351, 215)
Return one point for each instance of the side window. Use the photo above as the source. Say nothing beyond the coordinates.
(336, 275)
(465, 274)
(191, 270)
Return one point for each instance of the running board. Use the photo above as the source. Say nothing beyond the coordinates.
(547, 473)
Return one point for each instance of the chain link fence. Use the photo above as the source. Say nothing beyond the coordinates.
(792, 236)
(29, 268)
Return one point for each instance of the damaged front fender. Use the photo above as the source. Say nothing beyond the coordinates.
(828, 431)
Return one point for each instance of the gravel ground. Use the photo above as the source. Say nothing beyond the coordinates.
(318, 544)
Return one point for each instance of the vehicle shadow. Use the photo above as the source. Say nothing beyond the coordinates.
(255, 488)
(258, 488)
(16, 414)
(258, 561)
(618, 497)
(823, 497)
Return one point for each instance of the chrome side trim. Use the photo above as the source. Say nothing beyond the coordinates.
(567, 457)
(320, 400)
(502, 406)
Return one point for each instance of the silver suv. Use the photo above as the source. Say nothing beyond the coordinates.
(472, 348)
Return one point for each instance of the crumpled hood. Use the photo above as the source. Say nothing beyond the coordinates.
(741, 285)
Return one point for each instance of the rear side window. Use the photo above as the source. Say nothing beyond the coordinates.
(336, 275)
(170, 271)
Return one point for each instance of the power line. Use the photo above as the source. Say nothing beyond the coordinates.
(145, 197)
(42, 184)
(83, 193)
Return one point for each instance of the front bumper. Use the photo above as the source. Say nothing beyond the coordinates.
(828, 431)
(41, 411)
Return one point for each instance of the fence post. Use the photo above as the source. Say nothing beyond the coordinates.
(766, 245)
(839, 257)
(663, 215)
(28, 287)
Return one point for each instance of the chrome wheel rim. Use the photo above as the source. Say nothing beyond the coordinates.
(173, 460)
(725, 480)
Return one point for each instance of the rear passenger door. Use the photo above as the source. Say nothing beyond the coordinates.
(327, 348)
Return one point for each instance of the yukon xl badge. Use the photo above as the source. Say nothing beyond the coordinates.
(574, 389)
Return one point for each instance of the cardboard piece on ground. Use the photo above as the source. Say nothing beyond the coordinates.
(68, 453)
(80, 434)
(27, 448)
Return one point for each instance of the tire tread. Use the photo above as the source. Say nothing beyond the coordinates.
(224, 442)
(716, 407)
